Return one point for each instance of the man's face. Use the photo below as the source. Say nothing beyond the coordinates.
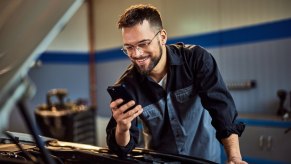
(143, 45)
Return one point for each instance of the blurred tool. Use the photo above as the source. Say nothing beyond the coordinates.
(282, 111)
(242, 85)
(66, 121)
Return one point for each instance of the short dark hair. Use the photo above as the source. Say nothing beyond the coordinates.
(138, 13)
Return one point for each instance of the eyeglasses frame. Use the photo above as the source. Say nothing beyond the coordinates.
(136, 47)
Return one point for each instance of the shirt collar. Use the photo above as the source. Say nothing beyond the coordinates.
(173, 58)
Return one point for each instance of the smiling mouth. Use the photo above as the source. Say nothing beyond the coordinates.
(141, 61)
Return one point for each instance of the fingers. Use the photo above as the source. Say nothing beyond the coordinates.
(120, 113)
(115, 104)
(133, 113)
(124, 120)
(125, 107)
(236, 161)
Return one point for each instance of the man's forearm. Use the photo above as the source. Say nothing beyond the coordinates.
(231, 147)
(122, 138)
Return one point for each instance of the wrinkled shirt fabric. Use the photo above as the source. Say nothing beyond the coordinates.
(190, 116)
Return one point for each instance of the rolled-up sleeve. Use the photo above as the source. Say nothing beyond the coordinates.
(216, 98)
(121, 151)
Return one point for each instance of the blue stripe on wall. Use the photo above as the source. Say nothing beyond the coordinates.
(262, 161)
(265, 123)
(243, 35)
(256, 33)
(64, 57)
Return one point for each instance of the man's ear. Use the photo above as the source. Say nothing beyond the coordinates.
(164, 36)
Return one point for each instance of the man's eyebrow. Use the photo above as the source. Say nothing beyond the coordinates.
(144, 40)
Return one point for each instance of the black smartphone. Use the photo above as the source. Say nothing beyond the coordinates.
(119, 91)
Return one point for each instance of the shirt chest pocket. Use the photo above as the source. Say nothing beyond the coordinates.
(184, 94)
(152, 112)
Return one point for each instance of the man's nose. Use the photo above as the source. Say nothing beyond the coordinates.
(137, 51)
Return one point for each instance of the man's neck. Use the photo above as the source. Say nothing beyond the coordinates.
(161, 68)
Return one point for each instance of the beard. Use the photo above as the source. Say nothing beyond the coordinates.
(153, 62)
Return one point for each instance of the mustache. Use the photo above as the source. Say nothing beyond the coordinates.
(140, 57)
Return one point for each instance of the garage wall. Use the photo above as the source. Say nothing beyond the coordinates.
(65, 63)
(184, 20)
(181, 18)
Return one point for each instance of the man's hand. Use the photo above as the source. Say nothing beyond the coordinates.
(236, 161)
(123, 120)
(231, 147)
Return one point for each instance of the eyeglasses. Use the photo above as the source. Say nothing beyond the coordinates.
(129, 49)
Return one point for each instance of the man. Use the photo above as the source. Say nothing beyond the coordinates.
(178, 92)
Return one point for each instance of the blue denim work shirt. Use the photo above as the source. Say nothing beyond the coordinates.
(190, 116)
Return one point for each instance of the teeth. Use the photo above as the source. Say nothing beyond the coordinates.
(142, 60)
